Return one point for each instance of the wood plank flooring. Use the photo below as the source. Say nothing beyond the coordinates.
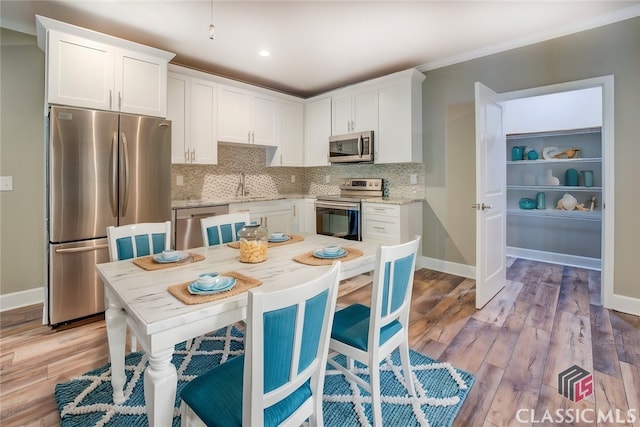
(547, 319)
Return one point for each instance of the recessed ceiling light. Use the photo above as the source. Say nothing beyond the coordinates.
(264, 52)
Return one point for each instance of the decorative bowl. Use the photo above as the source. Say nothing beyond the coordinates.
(527, 203)
(330, 250)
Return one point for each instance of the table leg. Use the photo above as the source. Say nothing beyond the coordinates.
(160, 384)
(116, 321)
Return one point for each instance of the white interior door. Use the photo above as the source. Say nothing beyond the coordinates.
(490, 205)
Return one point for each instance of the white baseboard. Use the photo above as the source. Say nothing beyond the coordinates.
(625, 304)
(555, 258)
(463, 270)
(21, 299)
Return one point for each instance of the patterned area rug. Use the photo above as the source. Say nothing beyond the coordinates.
(86, 400)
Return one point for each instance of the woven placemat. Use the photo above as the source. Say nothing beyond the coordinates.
(293, 238)
(243, 283)
(309, 259)
(148, 263)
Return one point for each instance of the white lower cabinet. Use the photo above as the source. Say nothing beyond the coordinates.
(391, 224)
(309, 216)
(277, 215)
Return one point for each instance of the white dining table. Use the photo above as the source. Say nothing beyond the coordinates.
(159, 320)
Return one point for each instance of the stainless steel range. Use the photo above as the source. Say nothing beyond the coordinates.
(340, 215)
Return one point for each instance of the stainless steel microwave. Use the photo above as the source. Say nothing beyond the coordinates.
(351, 148)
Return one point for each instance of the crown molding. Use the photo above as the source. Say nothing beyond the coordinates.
(606, 19)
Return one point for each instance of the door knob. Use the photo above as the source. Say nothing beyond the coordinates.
(480, 206)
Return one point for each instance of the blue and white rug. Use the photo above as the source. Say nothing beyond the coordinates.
(86, 400)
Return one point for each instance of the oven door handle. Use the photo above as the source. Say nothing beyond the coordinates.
(338, 205)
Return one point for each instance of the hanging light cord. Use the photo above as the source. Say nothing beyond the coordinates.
(212, 28)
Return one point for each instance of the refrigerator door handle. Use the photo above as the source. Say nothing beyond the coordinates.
(83, 249)
(113, 200)
(125, 169)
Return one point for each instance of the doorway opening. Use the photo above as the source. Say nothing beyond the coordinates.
(556, 125)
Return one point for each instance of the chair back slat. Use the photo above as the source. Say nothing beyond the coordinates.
(137, 240)
(221, 229)
(397, 279)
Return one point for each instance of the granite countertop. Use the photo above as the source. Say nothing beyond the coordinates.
(199, 203)
(183, 204)
(394, 200)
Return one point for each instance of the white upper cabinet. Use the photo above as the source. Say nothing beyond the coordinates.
(291, 133)
(317, 132)
(246, 117)
(93, 70)
(192, 108)
(354, 110)
(399, 137)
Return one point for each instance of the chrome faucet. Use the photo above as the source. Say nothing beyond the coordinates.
(241, 190)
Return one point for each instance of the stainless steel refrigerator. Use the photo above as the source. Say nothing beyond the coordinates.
(103, 169)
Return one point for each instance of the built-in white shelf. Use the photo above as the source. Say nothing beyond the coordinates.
(565, 188)
(595, 215)
(540, 162)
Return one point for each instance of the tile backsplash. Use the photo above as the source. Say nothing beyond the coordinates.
(222, 180)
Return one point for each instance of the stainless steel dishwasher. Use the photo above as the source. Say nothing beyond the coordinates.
(188, 233)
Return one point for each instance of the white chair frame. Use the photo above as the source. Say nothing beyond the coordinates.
(225, 219)
(377, 352)
(131, 230)
(254, 400)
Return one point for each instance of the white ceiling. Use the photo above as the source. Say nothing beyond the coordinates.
(321, 45)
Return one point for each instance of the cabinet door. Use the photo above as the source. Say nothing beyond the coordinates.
(277, 221)
(178, 111)
(341, 120)
(140, 84)
(263, 120)
(204, 104)
(317, 133)
(292, 134)
(233, 115)
(80, 72)
(309, 216)
(365, 110)
(399, 137)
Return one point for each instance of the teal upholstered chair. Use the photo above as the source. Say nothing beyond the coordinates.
(280, 378)
(370, 334)
(137, 240)
(221, 229)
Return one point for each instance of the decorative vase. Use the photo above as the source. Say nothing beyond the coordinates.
(540, 202)
(587, 178)
(571, 177)
(548, 179)
(517, 153)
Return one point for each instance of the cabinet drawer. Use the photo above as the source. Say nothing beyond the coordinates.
(381, 228)
(381, 209)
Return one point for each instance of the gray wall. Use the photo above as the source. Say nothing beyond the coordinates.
(22, 263)
(449, 125)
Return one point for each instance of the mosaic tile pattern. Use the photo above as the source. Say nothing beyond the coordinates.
(222, 180)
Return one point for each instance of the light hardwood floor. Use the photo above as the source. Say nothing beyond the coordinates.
(547, 319)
